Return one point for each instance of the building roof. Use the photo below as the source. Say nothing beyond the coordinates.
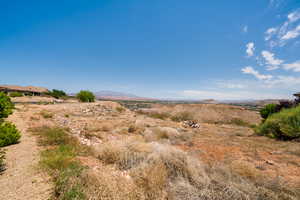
(297, 94)
(24, 89)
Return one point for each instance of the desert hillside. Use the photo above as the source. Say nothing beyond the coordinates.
(102, 150)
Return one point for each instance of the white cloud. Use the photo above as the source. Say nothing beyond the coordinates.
(292, 34)
(294, 16)
(282, 34)
(270, 33)
(271, 61)
(284, 82)
(250, 70)
(245, 29)
(250, 49)
(230, 85)
(293, 66)
(271, 68)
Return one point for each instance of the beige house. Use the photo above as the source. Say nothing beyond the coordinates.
(29, 90)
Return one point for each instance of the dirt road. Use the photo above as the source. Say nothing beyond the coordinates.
(22, 180)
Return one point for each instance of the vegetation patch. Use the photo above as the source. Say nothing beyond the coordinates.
(46, 114)
(182, 116)
(120, 109)
(9, 134)
(16, 94)
(58, 94)
(59, 160)
(284, 125)
(268, 110)
(160, 171)
(85, 96)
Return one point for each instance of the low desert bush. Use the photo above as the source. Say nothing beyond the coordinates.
(9, 134)
(156, 115)
(6, 106)
(159, 115)
(283, 125)
(16, 94)
(240, 122)
(46, 114)
(182, 116)
(120, 109)
(160, 171)
(85, 96)
(268, 110)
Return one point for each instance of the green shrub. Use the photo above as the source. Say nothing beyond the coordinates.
(57, 94)
(120, 109)
(9, 134)
(86, 96)
(268, 110)
(283, 125)
(6, 106)
(16, 94)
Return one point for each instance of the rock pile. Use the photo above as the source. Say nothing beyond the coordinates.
(191, 124)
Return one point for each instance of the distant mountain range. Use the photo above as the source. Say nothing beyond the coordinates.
(111, 95)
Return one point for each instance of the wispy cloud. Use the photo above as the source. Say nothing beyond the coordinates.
(270, 33)
(293, 66)
(294, 33)
(279, 36)
(270, 60)
(250, 70)
(250, 49)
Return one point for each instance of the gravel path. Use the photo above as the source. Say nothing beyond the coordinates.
(21, 180)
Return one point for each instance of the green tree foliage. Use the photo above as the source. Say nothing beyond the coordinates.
(268, 110)
(16, 94)
(284, 125)
(6, 106)
(57, 94)
(9, 134)
(86, 96)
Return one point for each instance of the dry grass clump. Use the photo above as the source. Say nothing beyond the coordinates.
(46, 114)
(183, 116)
(107, 184)
(120, 109)
(172, 135)
(155, 115)
(160, 171)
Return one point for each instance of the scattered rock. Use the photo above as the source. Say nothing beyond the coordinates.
(191, 124)
(270, 162)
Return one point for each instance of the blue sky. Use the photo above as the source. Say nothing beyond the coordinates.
(235, 49)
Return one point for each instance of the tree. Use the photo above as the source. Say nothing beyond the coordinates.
(85, 96)
(57, 93)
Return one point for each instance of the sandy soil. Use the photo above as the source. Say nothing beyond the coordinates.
(22, 180)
